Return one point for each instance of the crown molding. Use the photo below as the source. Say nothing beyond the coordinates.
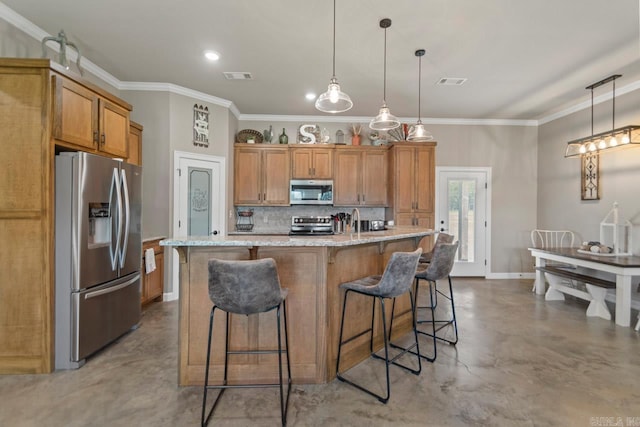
(366, 119)
(587, 104)
(179, 90)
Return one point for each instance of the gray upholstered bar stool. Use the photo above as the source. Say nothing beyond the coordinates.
(395, 281)
(425, 258)
(438, 268)
(246, 287)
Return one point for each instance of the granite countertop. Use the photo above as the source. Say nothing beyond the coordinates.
(346, 239)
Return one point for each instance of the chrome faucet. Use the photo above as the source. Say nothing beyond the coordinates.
(355, 213)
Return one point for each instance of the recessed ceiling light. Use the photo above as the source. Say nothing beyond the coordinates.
(310, 96)
(211, 55)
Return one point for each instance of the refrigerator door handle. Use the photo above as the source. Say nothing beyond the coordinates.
(115, 184)
(127, 212)
(111, 289)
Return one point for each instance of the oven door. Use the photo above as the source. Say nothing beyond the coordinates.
(307, 192)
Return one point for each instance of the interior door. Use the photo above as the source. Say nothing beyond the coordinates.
(200, 213)
(462, 211)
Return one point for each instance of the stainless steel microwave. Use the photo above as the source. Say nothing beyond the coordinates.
(311, 192)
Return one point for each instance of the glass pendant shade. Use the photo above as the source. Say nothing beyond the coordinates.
(334, 100)
(384, 120)
(418, 133)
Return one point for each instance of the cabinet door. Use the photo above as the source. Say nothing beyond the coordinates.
(135, 145)
(346, 178)
(75, 114)
(425, 221)
(114, 129)
(322, 164)
(424, 179)
(247, 169)
(275, 177)
(374, 178)
(301, 163)
(404, 162)
(405, 219)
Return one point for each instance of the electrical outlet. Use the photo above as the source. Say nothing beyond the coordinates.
(265, 219)
(230, 213)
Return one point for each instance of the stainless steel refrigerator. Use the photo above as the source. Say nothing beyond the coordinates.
(98, 250)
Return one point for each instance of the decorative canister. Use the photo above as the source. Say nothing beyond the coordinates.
(355, 140)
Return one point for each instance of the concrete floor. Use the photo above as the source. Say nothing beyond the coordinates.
(520, 361)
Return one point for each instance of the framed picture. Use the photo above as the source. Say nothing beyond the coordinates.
(590, 182)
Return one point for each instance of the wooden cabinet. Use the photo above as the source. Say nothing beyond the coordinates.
(153, 282)
(360, 176)
(135, 144)
(261, 175)
(412, 185)
(85, 120)
(32, 127)
(312, 162)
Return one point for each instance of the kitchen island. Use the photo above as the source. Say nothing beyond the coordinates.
(311, 268)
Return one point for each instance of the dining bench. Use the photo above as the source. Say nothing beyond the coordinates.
(596, 288)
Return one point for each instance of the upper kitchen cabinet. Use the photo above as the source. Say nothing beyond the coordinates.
(89, 120)
(412, 185)
(261, 175)
(135, 144)
(360, 176)
(312, 162)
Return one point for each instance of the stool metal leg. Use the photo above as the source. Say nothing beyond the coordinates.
(386, 338)
(205, 420)
(432, 309)
(284, 403)
(443, 323)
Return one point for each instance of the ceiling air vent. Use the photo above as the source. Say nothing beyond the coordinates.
(238, 75)
(451, 81)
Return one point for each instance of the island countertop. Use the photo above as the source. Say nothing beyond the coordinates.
(345, 239)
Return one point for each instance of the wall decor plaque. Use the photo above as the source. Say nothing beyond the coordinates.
(200, 126)
(590, 174)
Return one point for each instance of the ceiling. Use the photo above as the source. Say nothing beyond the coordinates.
(523, 60)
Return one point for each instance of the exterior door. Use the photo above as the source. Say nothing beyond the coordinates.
(462, 211)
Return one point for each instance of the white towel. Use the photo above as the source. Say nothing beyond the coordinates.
(149, 260)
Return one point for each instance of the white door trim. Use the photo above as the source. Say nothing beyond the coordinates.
(177, 156)
(487, 171)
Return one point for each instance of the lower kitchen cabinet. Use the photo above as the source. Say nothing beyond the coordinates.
(152, 283)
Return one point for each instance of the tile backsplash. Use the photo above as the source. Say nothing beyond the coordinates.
(276, 220)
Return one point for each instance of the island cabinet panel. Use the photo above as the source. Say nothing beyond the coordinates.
(26, 218)
(261, 175)
(360, 176)
(84, 120)
(311, 163)
(152, 282)
(311, 269)
(302, 272)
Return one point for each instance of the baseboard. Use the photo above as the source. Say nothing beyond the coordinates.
(511, 276)
(169, 296)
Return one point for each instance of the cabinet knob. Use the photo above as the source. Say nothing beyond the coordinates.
(214, 232)
(103, 139)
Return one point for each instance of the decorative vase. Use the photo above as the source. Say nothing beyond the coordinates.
(268, 135)
(355, 140)
(284, 139)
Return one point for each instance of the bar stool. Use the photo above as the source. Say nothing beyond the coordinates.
(246, 287)
(425, 258)
(395, 281)
(440, 267)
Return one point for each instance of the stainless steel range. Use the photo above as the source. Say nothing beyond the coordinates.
(311, 225)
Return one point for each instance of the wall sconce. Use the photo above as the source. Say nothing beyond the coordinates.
(620, 137)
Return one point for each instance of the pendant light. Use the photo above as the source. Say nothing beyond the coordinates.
(384, 120)
(334, 100)
(417, 132)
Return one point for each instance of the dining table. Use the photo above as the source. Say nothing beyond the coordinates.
(622, 267)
